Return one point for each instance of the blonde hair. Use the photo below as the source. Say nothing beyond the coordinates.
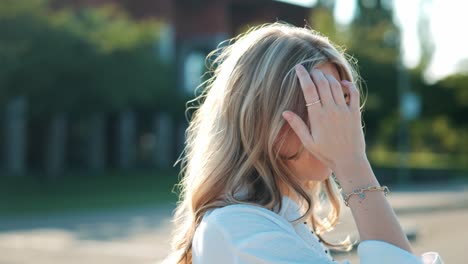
(232, 134)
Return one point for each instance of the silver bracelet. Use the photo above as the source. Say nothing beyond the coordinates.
(361, 192)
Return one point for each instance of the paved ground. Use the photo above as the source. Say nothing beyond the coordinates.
(436, 217)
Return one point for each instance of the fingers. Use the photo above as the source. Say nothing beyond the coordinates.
(328, 89)
(353, 95)
(323, 88)
(300, 128)
(308, 86)
(336, 90)
(310, 94)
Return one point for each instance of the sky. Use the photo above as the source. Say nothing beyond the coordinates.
(448, 19)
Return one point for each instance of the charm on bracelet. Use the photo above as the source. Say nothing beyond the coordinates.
(361, 192)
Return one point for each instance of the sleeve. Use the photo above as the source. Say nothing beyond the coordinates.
(374, 251)
(245, 239)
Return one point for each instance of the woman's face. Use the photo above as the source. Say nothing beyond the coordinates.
(304, 165)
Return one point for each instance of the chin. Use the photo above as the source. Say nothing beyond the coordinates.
(323, 176)
(319, 177)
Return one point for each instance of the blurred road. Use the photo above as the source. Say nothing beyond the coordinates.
(435, 216)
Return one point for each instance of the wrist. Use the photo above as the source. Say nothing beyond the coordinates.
(344, 166)
(355, 173)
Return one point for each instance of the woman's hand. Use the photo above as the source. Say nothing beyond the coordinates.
(336, 138)
(335, 135)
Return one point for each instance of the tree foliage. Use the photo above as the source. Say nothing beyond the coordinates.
(81, 60)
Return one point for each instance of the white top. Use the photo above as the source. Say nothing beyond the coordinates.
(252, 234)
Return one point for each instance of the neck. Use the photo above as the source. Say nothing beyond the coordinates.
(285, 190)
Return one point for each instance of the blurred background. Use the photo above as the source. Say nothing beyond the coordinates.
(92, 100)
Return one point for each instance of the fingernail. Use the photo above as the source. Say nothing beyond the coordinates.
(297, 67)
(346, 82)
(287, 115)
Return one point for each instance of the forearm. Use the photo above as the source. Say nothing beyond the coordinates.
(374, 217)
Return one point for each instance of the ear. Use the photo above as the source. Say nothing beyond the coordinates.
(283, 131)
(281, 140)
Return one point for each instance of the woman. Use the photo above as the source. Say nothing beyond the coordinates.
(279, 116)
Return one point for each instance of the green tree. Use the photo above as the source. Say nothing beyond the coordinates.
(88, 62)
(67, 59)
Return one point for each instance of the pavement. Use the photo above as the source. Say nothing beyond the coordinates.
(436, 217)
(429, 198)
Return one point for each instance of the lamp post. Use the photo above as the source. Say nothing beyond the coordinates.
(409, 109)
(408, 106)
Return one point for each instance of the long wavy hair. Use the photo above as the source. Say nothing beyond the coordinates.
(234, 132)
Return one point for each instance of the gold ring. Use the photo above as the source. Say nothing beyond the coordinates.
(316, 102)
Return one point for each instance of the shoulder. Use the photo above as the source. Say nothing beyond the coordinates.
(245, 217)
(236, 224)
(248, 234)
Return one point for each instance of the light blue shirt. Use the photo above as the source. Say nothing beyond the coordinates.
(247, 234)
